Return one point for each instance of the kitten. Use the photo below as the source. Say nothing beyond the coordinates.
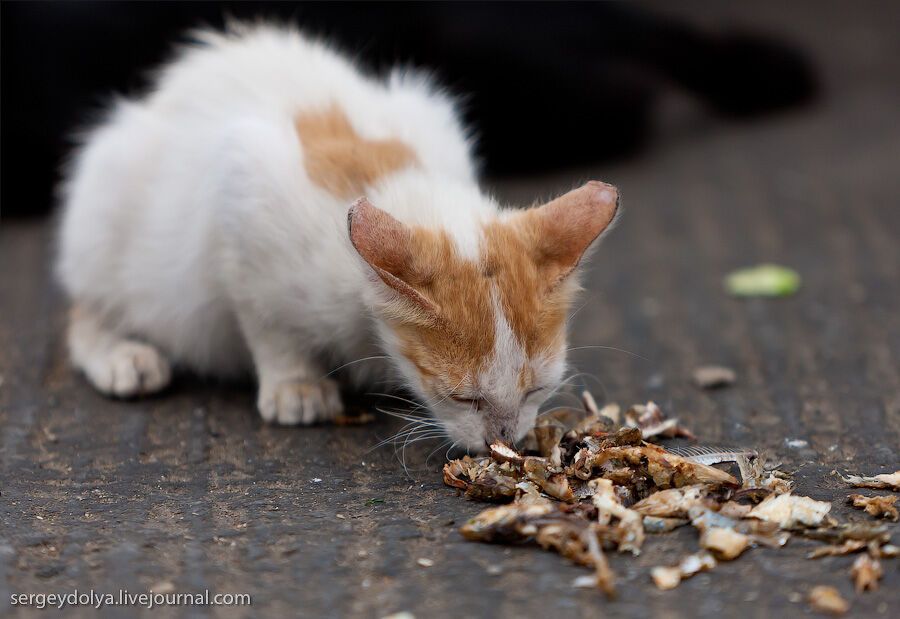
(218, 225)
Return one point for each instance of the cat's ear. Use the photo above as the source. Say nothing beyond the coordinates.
(562, 231)
(385, 244)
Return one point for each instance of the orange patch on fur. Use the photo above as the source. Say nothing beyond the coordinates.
(532, 257)
(339, 159)
(533, 305)
(526, 377)
(455, 347)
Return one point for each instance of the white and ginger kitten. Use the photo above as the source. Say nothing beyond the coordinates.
(218, 225)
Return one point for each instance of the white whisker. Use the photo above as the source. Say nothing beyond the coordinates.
(407, 417)
(449, 449)
(354, 362)
(436, 449)
(405, 436)
(401, 432)
(581, 307)
(432, 402)
(621, 350)
(413, 426)
(395, 397)
(564, 383)
(409, 442)
(551, 410)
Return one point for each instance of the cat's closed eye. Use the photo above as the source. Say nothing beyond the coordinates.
(476, 403)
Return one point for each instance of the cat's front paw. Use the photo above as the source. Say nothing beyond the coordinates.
(129, 369)
(296, 402)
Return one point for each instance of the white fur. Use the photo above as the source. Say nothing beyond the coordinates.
(190, 223)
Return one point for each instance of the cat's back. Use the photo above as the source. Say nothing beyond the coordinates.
(302, 106)
(278, 72)
(254, 70)
(278, 75)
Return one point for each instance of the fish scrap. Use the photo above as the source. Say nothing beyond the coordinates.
(670, 577)
(790, 511)
(653, 422)
(729, 537)
(834, 550)
(885, 481)
(878, 506)
(866, 573)
(674, 502)
(588, 482)
(482, 479)
(724, 543)
(837, 534)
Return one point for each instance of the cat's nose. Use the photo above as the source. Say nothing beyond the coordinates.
(503, 434)
(500, 425)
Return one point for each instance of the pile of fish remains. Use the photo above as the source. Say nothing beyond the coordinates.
(600, 485)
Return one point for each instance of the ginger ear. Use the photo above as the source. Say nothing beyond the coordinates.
(561, 231)
(385, 244)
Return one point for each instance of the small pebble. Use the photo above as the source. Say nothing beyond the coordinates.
(713, 376)
(588, 581)
(828, 600)
(163, 587)
(656, 381)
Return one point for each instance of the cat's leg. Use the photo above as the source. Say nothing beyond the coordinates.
(115, 365)
(262, 231)
(292, 387)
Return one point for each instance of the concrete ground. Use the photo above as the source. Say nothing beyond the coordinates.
(190, 491)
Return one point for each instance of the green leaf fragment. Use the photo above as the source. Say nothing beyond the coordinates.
(764, 280)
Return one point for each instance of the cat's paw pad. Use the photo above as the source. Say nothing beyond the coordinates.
(300, 402)
(130, 369)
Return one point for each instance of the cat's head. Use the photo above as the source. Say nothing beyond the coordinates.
(481, 338)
